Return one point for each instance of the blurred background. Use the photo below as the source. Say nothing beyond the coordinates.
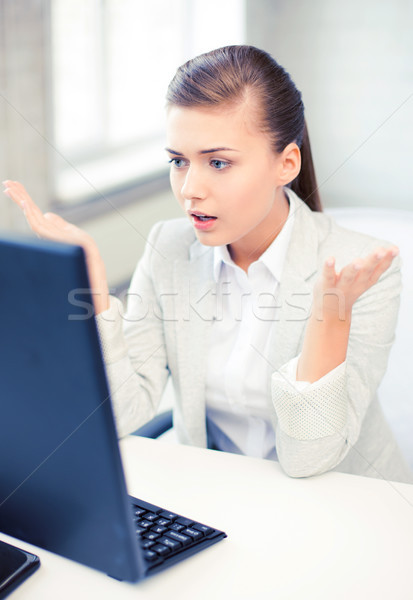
(82, 86)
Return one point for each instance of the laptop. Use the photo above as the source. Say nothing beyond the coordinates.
(62, 485)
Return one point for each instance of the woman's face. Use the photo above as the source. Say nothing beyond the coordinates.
(224, 175)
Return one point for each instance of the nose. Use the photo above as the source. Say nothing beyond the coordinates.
(193, 186)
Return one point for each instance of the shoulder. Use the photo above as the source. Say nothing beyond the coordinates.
(330, 238)
(333, 235)
(346, 244)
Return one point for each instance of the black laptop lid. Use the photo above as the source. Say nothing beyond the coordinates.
(61, 480)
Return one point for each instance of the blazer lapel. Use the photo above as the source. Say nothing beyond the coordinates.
(295, 291)
(196, 285)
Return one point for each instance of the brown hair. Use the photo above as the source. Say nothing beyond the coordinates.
(227, 75)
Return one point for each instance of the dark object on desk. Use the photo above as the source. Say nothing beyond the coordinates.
(156, 426)
(166, 537)
(15, 566)
(62, 486)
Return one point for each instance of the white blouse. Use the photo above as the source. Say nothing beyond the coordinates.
(238, 382)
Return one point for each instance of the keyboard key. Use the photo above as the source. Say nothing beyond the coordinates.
(204, 528)
(183, 539)
(151, 516)
(183, 521)
(138, 511)
(161, 549)
(146, 544)
(193, 533)
(168, 515)
(158, 529)
(140, 529)
(163, 522)
(172, 544)
(176, 527)
(149, 535)
(139, 503)
(145, 524)
(150, 556)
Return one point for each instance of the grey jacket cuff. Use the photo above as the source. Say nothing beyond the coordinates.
(318, 410)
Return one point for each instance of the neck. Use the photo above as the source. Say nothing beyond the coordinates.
(249, 248)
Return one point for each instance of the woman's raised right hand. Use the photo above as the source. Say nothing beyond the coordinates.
(51, 226)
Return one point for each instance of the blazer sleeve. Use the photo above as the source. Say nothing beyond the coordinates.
(316, 426)
(133, 347)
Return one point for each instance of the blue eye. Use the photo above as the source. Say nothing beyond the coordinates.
(178, 162)
(219, 164)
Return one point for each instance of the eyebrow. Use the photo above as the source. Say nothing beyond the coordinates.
(209, 151)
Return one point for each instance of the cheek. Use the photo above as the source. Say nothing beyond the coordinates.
(253, 203)
(176, 186)
(249, 192)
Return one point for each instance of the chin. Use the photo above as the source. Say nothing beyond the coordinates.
(203, 239)
(208, 239)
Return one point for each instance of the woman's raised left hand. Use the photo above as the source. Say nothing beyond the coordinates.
(336, 292)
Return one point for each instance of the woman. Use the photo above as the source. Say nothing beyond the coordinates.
(274, 323)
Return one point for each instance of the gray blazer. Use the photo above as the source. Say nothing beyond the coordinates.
(336, 424)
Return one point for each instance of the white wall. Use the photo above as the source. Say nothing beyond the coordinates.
(353, 62)
(24, 110)
(27, 152)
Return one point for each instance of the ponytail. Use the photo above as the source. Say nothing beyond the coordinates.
(305, 184)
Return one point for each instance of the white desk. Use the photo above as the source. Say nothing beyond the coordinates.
(330, 537)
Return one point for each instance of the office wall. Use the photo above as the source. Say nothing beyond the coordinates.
(24, 111)
(27, 152)
(353, 62)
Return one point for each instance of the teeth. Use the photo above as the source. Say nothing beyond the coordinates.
(203, 217)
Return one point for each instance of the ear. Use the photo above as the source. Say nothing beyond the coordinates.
(289, 164)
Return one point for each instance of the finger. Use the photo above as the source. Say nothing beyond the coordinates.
(18, 193)
(329, 271)
(372, 262)
(13, 192)
(32, 213)
(39, 224)
(34, 221)
(351, 272)
(380, 259)
(383, 264)
(384, 253)
(13, 188)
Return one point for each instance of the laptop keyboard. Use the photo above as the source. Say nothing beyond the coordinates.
(166, 537)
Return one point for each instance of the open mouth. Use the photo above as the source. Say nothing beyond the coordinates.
(201, 217)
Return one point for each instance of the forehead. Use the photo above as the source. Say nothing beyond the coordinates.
(230, 126)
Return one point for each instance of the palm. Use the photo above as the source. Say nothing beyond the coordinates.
(49, 225)
(336, 292)
(52, 227)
